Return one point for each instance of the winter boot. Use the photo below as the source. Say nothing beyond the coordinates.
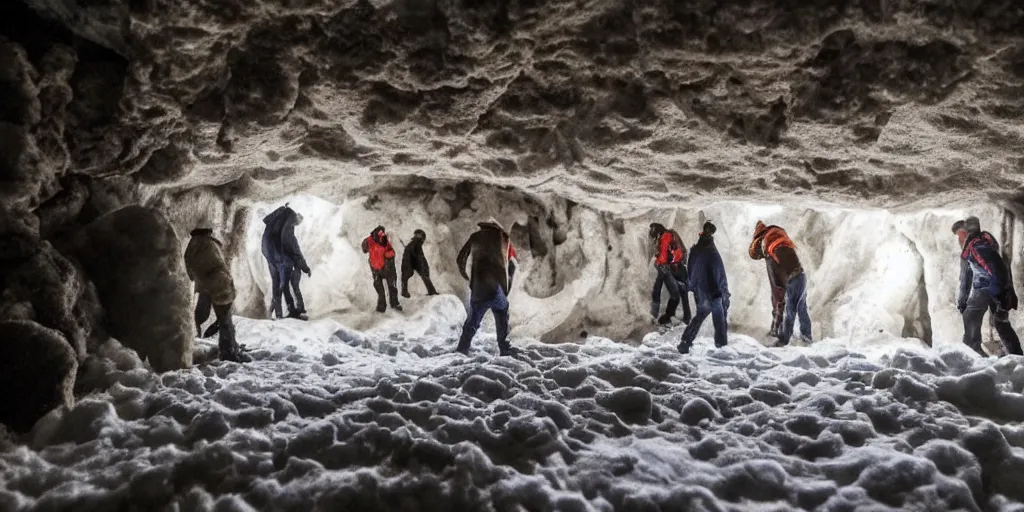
(235, 355)
(655, 308)
(298, 315)
(509, 351)
(670, 311)
(977, 348)
(683, 347)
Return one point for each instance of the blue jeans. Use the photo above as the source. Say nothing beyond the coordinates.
(707, 307)
(498, 304)
(796, 304)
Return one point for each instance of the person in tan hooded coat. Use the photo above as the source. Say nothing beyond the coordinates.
(207, 267)
(489, 284)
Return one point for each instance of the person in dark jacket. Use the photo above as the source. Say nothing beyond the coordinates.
(773, 244)
(670, 263)
(207, 268)
(382, 267)
(284, 259)
(489, 285)
(413, 260)
(710, 287)
(293, 255)
(985, 285)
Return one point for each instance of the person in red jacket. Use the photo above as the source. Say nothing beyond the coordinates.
(785, 271)
(382, 266)
(670, 261)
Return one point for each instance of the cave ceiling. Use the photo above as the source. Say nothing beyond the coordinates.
(870, 102)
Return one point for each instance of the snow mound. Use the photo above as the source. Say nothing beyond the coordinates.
(332, 418)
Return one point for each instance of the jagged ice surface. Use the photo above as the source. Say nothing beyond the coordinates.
(331, 417)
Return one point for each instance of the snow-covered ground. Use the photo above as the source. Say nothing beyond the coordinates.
(331, 418)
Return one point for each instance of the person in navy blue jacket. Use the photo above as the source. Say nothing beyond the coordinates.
(710, 288)
(285, 261)
(985, 284)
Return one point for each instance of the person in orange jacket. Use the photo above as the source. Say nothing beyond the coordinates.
(773, 244)
(382, 266)
(670, 262)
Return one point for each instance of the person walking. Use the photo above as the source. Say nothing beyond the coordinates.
(985, 285)
(710, 287)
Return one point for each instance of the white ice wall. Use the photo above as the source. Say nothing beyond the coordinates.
(864, 267)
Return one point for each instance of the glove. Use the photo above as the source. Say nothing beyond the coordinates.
(961, 305)
(725, 304)
(308, 272)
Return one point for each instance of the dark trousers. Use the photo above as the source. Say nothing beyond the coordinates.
(202, 313)
(424, 275)
(498, 304)
(705, 307)
(674, 279)
(386, 274)
(778, 310)
(999, 318)
(280, 278)
(296, 276)
(796, 305)
(226, 331)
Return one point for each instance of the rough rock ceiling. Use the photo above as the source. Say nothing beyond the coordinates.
(877, 102)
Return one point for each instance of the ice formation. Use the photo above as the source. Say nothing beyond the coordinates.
(329, 417)
(871, 272)
(864, 128)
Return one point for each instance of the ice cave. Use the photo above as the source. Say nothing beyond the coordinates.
(865, 129)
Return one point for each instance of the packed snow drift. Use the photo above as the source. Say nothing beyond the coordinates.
(332, 418)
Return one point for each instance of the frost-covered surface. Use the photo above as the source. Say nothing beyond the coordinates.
(338, 419)
(870, 271)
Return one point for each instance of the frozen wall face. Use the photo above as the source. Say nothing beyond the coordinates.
(873, 274)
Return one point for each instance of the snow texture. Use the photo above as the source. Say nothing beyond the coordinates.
(872, 273)
(332, 418)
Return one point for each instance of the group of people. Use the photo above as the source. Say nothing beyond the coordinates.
(986, 284)
(702, 272)
(985, 280)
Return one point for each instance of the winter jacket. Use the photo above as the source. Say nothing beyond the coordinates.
(280, 247)
(206, 266)
(489, 248)
(982, 267)
(290, 245)
(378, 246)
(707, 272)
(773, 242)
(413, 258)
(670, 249)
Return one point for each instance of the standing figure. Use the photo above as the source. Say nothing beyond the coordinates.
(293, 255)
(710, 288)
(489, 247)
(985, 284)
(670, 263)
(382, 267)
(784, 271)
(284, 259)
(207, 267)
(413, 260)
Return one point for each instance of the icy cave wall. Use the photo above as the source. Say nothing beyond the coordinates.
(875, 274)
(657, 102)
